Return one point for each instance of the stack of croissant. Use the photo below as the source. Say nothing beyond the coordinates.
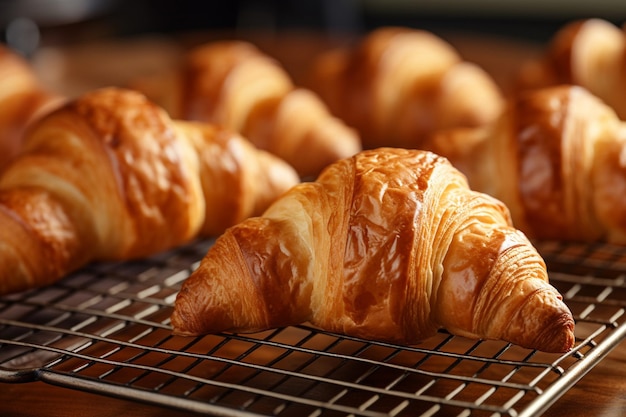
(392, 197)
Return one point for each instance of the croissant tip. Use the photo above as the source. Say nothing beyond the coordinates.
(559, 336)
(544, 323)
(179, 332)
(182, 327)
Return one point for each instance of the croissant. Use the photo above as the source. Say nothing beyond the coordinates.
(234, 84)
(590, 53)
(556, 157)
(397, 85)
(109, 176)
(391, 245)
(22, 99)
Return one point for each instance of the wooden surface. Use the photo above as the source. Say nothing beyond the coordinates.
(601, 393)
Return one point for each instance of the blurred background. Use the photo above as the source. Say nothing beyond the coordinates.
(80, 44)
(27, 24)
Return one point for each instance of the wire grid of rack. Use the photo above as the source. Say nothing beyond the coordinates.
(105, 329)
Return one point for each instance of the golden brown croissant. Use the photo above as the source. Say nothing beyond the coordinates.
(22, 98)
(556, 158)
(111, 176)
(398, 85)
(390, 244)
(235, 84)
(590, 53)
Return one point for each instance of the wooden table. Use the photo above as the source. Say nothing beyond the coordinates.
(601, 393)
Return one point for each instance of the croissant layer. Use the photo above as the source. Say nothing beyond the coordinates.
(390, 244)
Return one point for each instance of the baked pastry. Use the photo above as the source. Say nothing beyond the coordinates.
(390, 244)
(556, 157)
(109, 176)
(22, 98)
(397, 85)
(590, 53)
(234, 84)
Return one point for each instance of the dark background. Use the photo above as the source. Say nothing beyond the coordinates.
(27, 24)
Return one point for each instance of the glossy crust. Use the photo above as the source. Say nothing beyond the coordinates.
(232, 83)
(110, 176)
(397, 85)
(390, 244)
(590, 53)
(22, 99)
(555, 158)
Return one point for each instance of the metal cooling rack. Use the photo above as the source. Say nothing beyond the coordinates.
(106, 329)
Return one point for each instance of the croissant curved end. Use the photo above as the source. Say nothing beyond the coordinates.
(535, 315)
(545, 316)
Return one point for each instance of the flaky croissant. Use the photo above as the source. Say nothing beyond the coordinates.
(390, 244)
(556, 157)
(110, 176)
(234, 84)
(22, 99)
(397, 85)
(590, 53)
